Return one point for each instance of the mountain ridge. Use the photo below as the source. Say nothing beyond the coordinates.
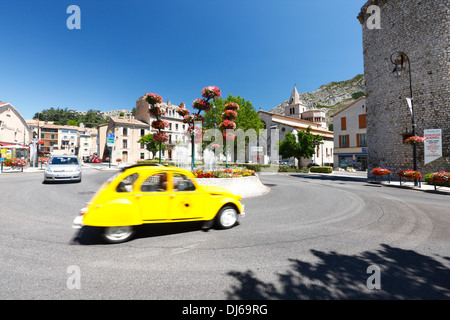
(332, 96)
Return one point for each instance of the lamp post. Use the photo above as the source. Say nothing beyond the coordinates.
(399, 59)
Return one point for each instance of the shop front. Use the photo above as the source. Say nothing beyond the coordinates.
(10, 151)
(355, 161)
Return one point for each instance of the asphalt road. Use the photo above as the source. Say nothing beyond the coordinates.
(309, 238)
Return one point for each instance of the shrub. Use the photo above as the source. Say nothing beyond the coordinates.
(318, 169)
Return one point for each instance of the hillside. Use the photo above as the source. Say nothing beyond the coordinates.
(332, 96)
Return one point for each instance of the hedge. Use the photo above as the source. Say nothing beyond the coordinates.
(318, 169)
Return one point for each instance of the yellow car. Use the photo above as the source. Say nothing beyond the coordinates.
(143, 194)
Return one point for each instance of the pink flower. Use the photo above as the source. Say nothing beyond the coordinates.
(153, 98)
(211, 92)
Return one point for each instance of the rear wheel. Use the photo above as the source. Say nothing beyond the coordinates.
(118, 234)
(227, 217)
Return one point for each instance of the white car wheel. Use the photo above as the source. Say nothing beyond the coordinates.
(118, 234)
(227, 217)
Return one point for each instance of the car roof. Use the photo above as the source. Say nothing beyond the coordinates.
(153, 166)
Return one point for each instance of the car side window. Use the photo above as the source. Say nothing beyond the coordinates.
(182, 183)
(155, 183)
(126, 185)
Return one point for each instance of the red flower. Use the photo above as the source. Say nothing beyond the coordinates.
(153, 98)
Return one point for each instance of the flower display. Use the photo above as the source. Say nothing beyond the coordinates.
(229, 115)
(153, 98)
(15, 163)
(380, 172)
(227, 124)
(414, 140)
(228, 136)
(440, 178)
(232, 106)
(160, 124)
(410, 174)
(182, 111)
(215, 145)
(201, 104)
(211, 92)
(191, 118)
(161, 137)
(226, 173)
(157, 111)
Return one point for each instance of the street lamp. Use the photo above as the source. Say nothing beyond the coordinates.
(399, 59)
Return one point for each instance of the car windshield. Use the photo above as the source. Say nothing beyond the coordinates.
(64, 160)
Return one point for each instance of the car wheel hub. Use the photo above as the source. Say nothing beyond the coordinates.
(118, 233)
(228, 218)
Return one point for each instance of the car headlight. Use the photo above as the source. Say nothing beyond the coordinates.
(48, 170)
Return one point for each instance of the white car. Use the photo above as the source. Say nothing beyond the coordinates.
(63, 168)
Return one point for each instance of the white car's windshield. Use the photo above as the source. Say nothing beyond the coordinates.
(64, 160)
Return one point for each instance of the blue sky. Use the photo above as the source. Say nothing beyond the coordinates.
(256, 49)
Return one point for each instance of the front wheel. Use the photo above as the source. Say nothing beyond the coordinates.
(118, 234)
(227, 217)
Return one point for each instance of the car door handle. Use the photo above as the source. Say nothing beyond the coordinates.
(172, 196)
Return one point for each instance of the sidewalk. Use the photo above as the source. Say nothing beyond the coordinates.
(362, 176)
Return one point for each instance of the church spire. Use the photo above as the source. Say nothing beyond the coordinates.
(295, 97)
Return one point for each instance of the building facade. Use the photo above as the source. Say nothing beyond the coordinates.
(177, 130)
(298, 117)
(350, 136)
(14, 133)
(126, 148)
(419, 29)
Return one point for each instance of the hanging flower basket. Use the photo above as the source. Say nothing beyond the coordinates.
(410, 174)
(201, 104)
(230, 136)
(182, 111)
(211, 92)
(229, 115)
(157, 111)
(160, 137)
(414, 140)
(160, 124)
(227, 124)
(153, 98)
(231, 106)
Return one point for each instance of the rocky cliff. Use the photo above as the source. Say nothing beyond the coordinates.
(332, 96)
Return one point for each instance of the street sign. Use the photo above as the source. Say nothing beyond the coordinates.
(111, 135)
(110, 142)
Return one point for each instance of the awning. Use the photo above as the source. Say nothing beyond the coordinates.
(13, 145)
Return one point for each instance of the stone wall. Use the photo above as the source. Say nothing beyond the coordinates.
(419, 28)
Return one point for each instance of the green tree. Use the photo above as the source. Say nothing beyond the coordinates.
(247, 118)
(302, 145)
(150, 144)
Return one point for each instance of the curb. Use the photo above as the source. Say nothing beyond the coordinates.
(247, 187)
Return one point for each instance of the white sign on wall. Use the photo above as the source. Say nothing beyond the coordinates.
(433, 144)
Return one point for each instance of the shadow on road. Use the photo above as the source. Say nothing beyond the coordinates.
(404, 274)
(92, 235)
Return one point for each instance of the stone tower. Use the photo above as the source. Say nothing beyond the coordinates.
(295, 106)
(420, 29)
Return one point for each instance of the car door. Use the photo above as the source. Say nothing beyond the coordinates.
(186, 201)
(153, 197)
